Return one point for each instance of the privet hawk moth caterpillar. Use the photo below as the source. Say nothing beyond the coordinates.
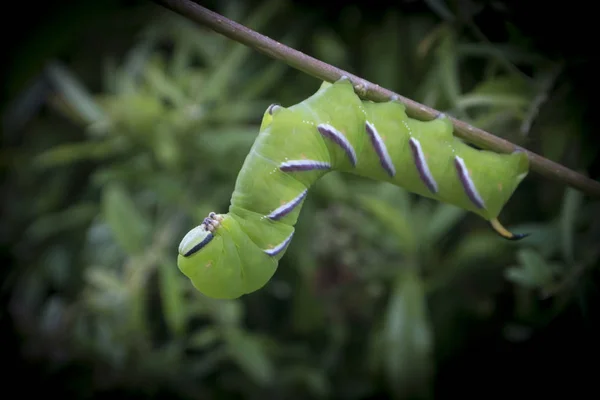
(232, 254)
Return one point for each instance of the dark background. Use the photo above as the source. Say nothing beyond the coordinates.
(560, 358)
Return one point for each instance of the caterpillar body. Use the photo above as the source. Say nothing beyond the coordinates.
(233, 254)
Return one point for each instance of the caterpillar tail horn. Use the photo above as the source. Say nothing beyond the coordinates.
(505, 233)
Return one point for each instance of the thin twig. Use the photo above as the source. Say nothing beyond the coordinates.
(371, 91)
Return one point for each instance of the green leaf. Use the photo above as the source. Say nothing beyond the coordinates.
(376, 351)
(476, 246)
(520, 276)
(183, 57)
(57, 266)
(104, 280)
(571, 205)
(228, 69)
(223, 142)
(163, 85)
(495, 120)
(509, 84)
(449, 77)
(171, 294)
(166, 148)
(509, 52)
(229, 313)
(314, 379)
(49, 224)
(204, 44)
(383, 43)
(109, 75)
(440, 8)
(498, 100)
(442, 221)
(533, 271)
(53, 315)
(204, 338)
(532, 261)
(543, 237)
(237, 111)
(555, 140)
(329, 47)
(138, 326)
(264, 80)
(76, 95)
(136, 114)
(307, 313)
(333, 187)
(505, 91)
(127, 77)
(105, 291)
(396, 222)
(469, 253)
(69, 153)
(208, 364)
(407, 340)
(129, 227)
(249, 353)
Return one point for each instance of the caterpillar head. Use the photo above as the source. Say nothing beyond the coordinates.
(221, 261)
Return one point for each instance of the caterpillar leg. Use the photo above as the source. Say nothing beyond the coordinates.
(505, 233)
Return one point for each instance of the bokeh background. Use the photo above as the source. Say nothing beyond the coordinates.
(124, 124)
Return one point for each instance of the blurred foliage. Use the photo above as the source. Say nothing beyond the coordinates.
(371, 294)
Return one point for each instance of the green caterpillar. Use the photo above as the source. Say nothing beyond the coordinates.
(232, 254)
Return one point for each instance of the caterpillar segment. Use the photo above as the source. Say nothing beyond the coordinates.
(236, 253)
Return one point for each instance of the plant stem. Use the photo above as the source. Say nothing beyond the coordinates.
(371, 91)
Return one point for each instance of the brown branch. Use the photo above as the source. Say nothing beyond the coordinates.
(371, 91)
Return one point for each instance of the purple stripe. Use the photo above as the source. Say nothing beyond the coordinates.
(287, 207)
(280, 247)
(420, 162)
(200, 245)
(303, 165)
(338, 138)
(467, 183)
(381, 150)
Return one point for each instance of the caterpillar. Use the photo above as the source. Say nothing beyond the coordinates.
(229, 255)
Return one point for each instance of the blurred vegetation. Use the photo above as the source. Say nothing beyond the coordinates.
(379, 290)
